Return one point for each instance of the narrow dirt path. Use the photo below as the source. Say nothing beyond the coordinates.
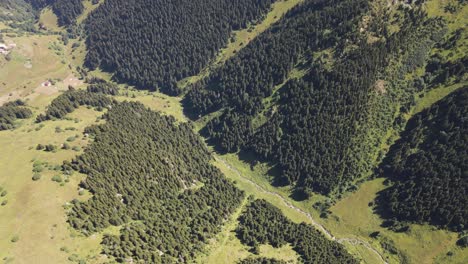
(353, 241)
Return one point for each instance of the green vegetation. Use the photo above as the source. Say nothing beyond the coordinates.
(354, 216)
(41, 224)
(71, 100)
(421, 71)
(67, 11)
(32, 64)
(240, 39)
(11, 111)
(323, 129)
(14, 239)
(42, 199)
(263, 223)
(17, 14)
(428, 165)
(36, 177)
(97, 85)
(57, 178)
(150, 193)
(177, 43)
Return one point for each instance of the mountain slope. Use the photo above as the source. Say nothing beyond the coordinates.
(262, 223)
(153, 177)
(15, 10)
(429, 167)
(154, 44)
(67, 11)
(323, 128)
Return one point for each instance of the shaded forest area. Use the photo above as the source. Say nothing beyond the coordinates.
(262, 223)
(154, 44)
(322, 130)
(67, 11)
(17, 11)
(152, 176)
(12, 111)
(429, 167)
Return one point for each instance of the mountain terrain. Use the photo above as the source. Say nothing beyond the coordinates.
(245, 131)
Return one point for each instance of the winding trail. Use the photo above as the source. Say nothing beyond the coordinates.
(328, 234)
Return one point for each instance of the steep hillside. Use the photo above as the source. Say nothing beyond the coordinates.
(301, 103)
(318, 102)
(154, 44)
(16, 11)
(153, 177)
(67, 11)
(429, 166)
(262, 223)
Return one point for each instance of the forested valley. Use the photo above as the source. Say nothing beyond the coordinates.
(429, 167)
(322, 129)
(15, 11)
(261, 261)
(233, 131)
(262, 223)
(154, 44)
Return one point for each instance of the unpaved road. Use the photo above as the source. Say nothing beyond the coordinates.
(353, 241)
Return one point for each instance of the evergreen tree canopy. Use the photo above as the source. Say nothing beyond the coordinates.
(321, 129)
(154, 43)
(12, 111)
(262, 223)
(429, 167)
(152, 177)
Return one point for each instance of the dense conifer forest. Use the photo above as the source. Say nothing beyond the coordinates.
(261, 261)
(66, 10)
(12, 111)
(318, 100)
(429, 167)
(152, 176)
(39, 4)
(155, 43)
(16, 11)
(72, 99)
(321, 129)
(262, 223)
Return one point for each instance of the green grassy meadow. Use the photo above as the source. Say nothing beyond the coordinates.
(35, 212)
(34, 60)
